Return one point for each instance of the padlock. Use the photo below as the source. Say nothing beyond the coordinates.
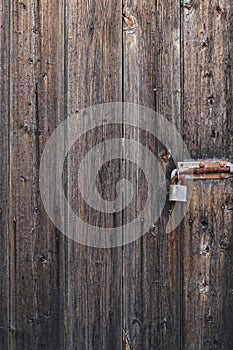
(178, 193)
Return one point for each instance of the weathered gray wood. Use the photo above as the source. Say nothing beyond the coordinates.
(207, 230)
(208, 78)
(207, 265)
(207, 102)
(4, 161)
(36, 76)
(94, 276)
(152, 264)
(164, 291)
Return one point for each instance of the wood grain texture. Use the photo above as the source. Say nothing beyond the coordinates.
(94, 276)
(207, 230)
(152, 264)
(207, 29)
(4, 161)
(36, 73)
(207, 267)
(163, 291)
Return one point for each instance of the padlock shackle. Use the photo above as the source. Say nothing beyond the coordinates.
(175, 178)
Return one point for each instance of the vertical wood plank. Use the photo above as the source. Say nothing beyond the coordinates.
(94, 76)
(208, 268)
(36, 72)
(208, 78)
(169, 85)
(152, 77)
(207, 28)
(4, 161)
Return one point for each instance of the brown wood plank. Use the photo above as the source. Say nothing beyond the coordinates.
(207, 233)
(94, 275)
(4, 112)
(152, 77)
(208, 79)
(36, 71)
(208, 271)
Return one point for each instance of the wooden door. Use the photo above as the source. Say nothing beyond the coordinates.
(162, 291)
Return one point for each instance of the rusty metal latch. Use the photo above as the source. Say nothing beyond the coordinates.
(202, 170)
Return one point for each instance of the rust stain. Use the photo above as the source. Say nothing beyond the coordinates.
(188, 6)
(130, 22)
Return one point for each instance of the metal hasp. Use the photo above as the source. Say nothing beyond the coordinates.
(202, 170)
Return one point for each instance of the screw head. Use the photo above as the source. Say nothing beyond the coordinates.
(202, 164)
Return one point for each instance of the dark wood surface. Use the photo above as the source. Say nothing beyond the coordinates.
(152, 264)
(207, 228)
(163, 291)
(4, 168)
(35, 256)
(94, 276)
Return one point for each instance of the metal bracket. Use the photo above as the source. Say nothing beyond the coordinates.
(203, 170)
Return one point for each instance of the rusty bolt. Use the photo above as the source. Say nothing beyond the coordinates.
(154, 230)
(188, 6)
(26, 129)
(166, 156)
(222, 164)
(130, 21)
(211, 98)
(202, 164)
(219, 10)
(203, 287)
(222, 176)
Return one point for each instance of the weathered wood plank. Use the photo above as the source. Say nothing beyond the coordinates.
(152, 267)
(37, 51)
(94, 76)
(208, 270)
(208, 78)
(207, 233)
(4, 161)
